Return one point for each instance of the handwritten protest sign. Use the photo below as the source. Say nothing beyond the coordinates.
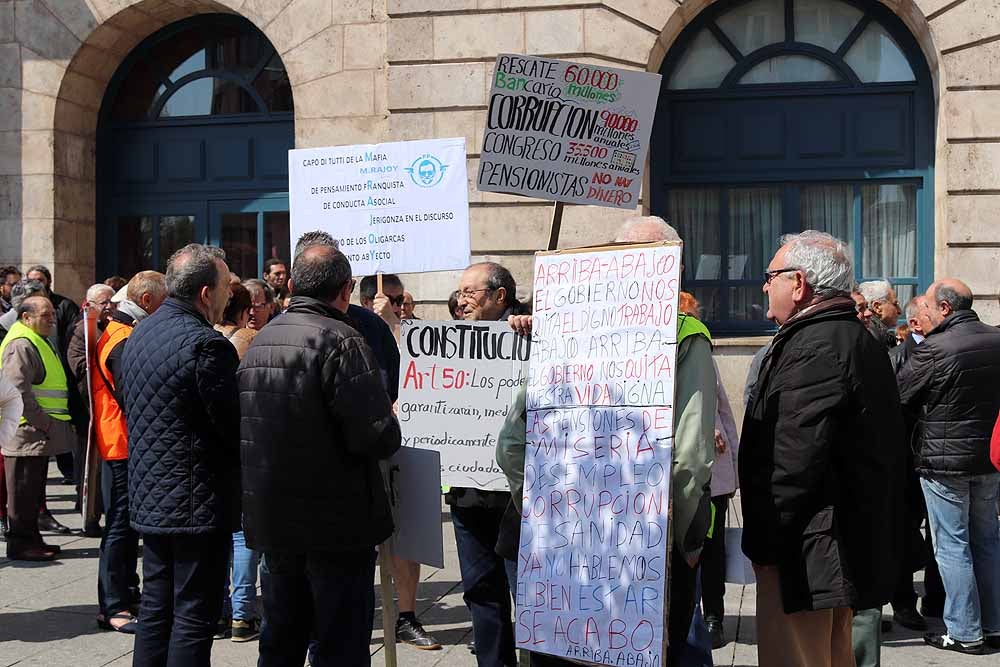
(592, 567)
(457, 381)
(386, 204)
(567, 132)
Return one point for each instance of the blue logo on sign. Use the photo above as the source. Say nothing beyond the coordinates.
(427, 171)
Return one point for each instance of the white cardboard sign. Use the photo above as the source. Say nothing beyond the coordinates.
(456, 383)
(592, 567)
(566, 131)
(386, 204)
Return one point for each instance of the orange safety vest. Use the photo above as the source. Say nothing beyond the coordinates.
(109, 420)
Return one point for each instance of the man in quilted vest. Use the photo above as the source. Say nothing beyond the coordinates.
(182, 415)
(28, 360)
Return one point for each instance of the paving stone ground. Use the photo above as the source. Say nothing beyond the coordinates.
(47, 616)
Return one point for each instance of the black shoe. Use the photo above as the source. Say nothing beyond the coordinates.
(887, 625)
(716, 634)
(931, 610)
(946, 643)
(93, 529)
(409, 631)
(993, 641)
(244, 631)
(33, 553)
(910, 618)
(48, 523)
(223, 628)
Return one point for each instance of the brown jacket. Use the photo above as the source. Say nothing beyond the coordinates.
(42, 435)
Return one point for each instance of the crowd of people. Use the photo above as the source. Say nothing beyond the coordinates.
(241, 426)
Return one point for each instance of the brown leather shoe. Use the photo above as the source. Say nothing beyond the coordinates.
(31, 554)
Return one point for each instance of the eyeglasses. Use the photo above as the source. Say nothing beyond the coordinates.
(395, 300)
(258, 306)
(468, 294)
(770, 275)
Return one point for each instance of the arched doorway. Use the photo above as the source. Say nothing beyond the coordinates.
(192, 146)
(782, 115)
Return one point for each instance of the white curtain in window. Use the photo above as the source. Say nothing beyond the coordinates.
(754, 230)
(889, 229)
(830, 209)
(694, 213)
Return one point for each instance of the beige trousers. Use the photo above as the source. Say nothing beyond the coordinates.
(804, 639)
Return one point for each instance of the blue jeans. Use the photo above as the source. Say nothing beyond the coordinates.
(243, 603)
(485, 584)
(118, 578)
(697, 650)
(962, 511)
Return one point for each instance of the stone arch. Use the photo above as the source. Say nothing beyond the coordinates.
(107, 31)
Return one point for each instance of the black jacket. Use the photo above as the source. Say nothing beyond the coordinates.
(316, 419)
(182, 411)
(900, 354)
(822, 461)
(951, 387)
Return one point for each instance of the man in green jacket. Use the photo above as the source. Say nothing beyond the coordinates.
(693, 452)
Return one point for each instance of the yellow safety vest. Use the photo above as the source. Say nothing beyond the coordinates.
(53, 392)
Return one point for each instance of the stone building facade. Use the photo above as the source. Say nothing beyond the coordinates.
(365, 71)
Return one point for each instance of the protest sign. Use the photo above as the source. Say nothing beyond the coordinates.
(414, 487)
(456, 383)
(566, 131)
(386, 204)
(592, 567)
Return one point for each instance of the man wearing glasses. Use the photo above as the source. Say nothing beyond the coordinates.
(262, 303)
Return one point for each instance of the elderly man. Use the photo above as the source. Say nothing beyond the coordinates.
(694, 456)
(178, 381)
(407, 310)
(949, 385)
(821, 502)
(118, 582)
(486, 291)
(882, 302)
(30, 362)
(917, 546)
(316, 420)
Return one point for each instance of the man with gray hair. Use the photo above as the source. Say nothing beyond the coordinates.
(882, 302)
(949, 387)
(18, 293)
(178, 381)
(821, 503)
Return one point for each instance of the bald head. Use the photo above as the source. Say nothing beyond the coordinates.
(37, 313)
(946, 297)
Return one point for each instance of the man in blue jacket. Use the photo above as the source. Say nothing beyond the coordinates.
(182, 412)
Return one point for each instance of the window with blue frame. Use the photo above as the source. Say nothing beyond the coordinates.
(783, 115)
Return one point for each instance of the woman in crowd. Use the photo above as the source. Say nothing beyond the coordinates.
(241, 608)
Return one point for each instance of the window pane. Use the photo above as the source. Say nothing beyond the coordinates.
(876, 57)
(274, 87)
(790, 69)
(830, 209)
(695, 215)
(708, 299)
(754, 24)
(138, 93)
(135, 244)
(237, 50)
(176, 231)
(889, 229)
(704, 64)
(193, 63)
(276, 235)
(754, 228)
(747, 304)
(825, 23)
(204, 97)
(239, 240)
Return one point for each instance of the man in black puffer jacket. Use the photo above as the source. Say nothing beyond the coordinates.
(821, 463)
(316, 419)
(951, 386)
(182, 412)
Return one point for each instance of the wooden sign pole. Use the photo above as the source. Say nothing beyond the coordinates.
(388, 605)
(555, 226)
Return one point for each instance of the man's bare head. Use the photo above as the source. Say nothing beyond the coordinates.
(945, 297)
(646, 229)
